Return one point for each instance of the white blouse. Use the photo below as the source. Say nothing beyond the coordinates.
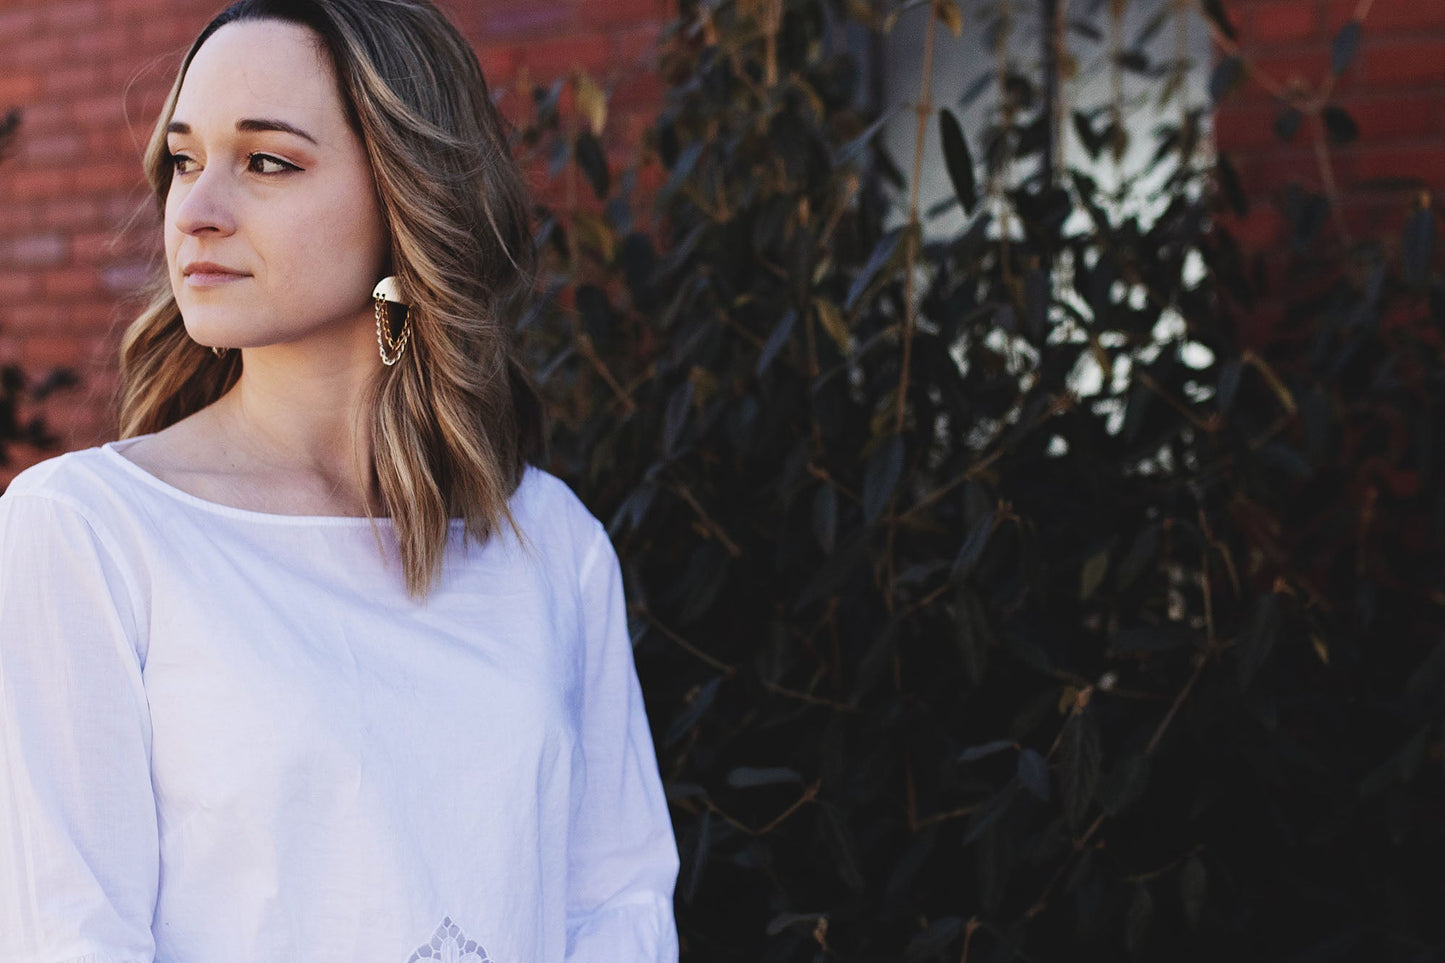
(230, 737)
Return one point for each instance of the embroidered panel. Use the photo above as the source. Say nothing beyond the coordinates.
(450, 945)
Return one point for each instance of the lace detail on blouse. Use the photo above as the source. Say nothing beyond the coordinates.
(450, 945)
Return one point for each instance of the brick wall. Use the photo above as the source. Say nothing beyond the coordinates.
(1394, 90)
(77, 232)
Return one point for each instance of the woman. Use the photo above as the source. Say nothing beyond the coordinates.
(312, 665)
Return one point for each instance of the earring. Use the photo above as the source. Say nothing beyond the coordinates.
(219, 352)
(389, 291)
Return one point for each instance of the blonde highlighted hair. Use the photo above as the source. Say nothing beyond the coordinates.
(455, 422)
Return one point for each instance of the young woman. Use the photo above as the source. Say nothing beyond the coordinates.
(312, 665)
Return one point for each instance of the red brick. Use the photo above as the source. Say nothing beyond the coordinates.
(97, 179)
(49, 149)
(17, 285)
(509, 21)
(18, 88)
(1403, 63)
(1402, 115)
(1245, 128)
(91, 315)
(71, 213)
(100, 42)
(18, 214)
(79, 79)
(498, 62)
(614, 13)
(637, 45)
(97, 111)
(53, 351)
(35, 250)
(68, 15)
(40, 182)
(1388, 15)
(69, 283)
(133, 10)
(16, 26)
(1281, 22)
(25, 318)
(44, 116)
(1424, 162)
(41, 51)
(551, 58)
(94, 247)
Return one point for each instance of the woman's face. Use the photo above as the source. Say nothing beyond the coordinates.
(273, 231)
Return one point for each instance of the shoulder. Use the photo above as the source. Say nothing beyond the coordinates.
(555, 521)
(86, 489)
(77, 479)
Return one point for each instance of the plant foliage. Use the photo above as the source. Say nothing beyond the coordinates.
(1007, 595)
(16, 390)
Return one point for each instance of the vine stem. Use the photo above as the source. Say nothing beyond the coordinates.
(910, 254)
(924, 109)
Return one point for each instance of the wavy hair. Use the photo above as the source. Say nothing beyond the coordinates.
(455, 422)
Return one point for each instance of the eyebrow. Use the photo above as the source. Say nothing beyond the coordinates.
(248, 125)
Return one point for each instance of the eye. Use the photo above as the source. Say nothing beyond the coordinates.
(266, 164)
(178, 163)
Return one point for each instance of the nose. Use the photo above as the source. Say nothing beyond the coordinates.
(203, 204)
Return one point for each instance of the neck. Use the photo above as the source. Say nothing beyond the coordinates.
(300, 412)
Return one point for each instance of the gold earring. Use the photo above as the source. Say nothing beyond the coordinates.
(389, 291)
(219, 352)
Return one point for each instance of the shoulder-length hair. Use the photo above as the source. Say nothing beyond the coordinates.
(455, 422)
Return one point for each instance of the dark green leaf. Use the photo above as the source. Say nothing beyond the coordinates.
(1033, 773)
(825, 518)
(593, 160)
(1346, 45)
(853, 150)
(841, 845)
(1138, 920)
(880, 477)
(973, 546)
(882, 253)
(958, 160)
(683, 722)
(990, 812)
(745, 777)
(1214, 10)
(1138, 558)
(933, 941)
(1152, 638)
(1226, 76)
(781, 332)
(1229, 375)
(1418, 248)
(1193, 890)
(1124, 783)
(971, 633)
(987, 749)
(1287, 124)
(1340, 126)
(700, 854)
(675, 418)
(1079, 759)
(1258, 639)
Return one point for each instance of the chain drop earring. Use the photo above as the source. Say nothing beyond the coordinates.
(388, 291)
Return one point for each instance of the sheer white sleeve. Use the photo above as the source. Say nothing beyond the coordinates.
(622, 861)
(79, 857)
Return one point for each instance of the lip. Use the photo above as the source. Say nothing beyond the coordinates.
(207, 273)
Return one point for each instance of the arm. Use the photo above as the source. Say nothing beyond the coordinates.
(79, 859)
(622, 860)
